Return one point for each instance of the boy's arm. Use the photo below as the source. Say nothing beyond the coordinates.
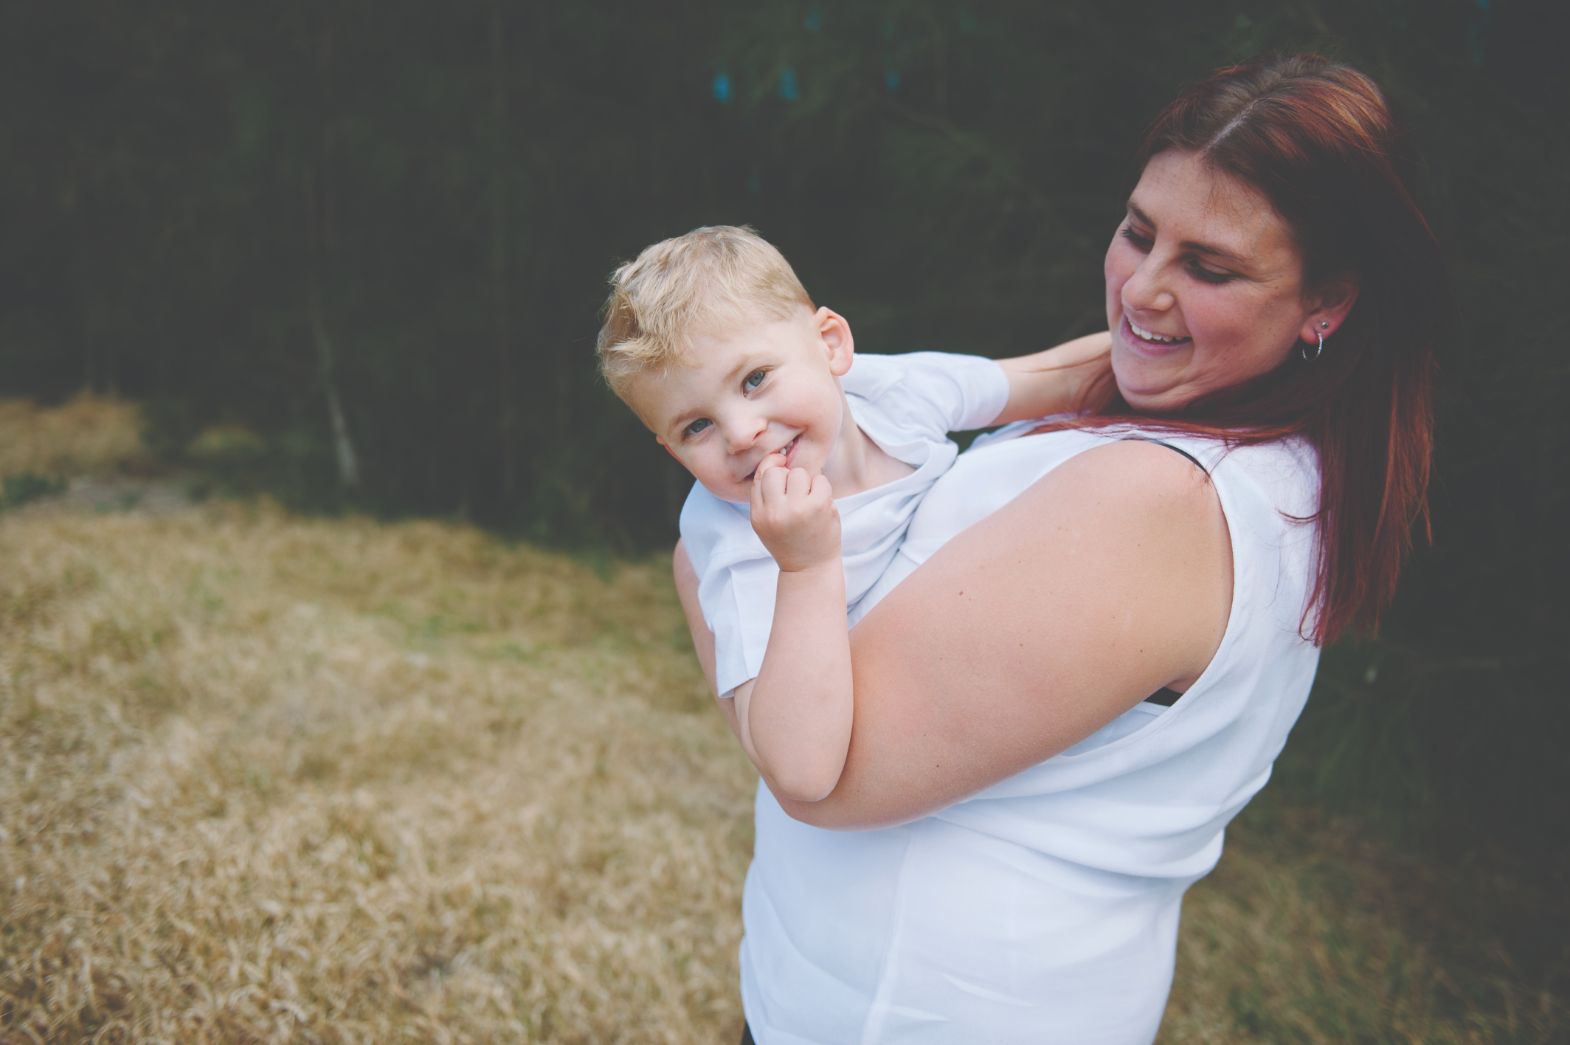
(794, 718)
(1057, 380)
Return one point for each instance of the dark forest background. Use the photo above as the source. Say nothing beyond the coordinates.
(376, 235)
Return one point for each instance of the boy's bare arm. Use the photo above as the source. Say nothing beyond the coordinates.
(1057, 380)
(795, 717)
(804, 782)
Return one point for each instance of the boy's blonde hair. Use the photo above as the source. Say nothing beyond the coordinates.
(705, 282)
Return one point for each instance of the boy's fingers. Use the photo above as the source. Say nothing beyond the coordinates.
(772, 462)
(770, 479)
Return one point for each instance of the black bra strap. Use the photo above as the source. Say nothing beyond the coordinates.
(1169, 446)
(1165, 697)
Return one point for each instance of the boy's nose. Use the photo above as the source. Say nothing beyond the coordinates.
(741, 432)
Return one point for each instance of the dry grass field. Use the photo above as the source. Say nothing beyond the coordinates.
(88, 435)
(271, 778)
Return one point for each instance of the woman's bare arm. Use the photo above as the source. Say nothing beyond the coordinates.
(1107, 580)
(1057, 380)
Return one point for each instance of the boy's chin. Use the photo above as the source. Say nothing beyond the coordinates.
(740, 493)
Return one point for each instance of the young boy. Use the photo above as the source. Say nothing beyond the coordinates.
(807, 469)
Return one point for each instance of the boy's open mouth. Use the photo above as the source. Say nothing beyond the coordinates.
(788, 450)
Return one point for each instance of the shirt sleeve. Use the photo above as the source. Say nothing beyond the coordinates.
(737, 580)
(932, 392)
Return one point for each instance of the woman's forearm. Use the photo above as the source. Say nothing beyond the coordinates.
(1057, 380)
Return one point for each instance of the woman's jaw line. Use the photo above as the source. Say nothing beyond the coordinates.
(1149, 376)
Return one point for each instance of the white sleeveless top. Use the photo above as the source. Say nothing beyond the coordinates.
(1045, 908)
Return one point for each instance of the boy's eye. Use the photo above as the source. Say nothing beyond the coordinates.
(695, 427)
(753, 380)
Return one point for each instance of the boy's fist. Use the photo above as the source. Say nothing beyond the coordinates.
(793, 514)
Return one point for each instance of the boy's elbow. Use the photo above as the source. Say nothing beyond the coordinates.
(838, 812)
(805, 784)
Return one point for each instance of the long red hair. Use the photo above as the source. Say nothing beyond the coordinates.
(1317, 139)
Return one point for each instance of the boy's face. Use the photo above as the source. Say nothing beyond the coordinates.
(770, 385)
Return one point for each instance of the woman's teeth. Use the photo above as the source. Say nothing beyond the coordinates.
(1147, 335)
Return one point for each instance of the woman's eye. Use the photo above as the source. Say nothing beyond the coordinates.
(753, 380)
(695, 427)
(1138, 239)
(1205, 275)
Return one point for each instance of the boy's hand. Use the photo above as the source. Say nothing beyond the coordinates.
(793, 514)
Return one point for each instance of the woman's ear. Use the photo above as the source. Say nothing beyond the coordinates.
(835, 334)
(1328, 308)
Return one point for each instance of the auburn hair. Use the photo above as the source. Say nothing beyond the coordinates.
(1317, 139)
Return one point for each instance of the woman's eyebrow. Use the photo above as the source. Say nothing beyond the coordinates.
(1197, 247)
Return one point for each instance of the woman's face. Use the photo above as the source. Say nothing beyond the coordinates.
(1204, 286)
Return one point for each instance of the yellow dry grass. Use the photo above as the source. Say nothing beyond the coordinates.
(266, 778)
(1311, 931)
(271, 779)
(87, 435)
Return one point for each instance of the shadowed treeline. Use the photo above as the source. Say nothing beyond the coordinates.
(375, 236)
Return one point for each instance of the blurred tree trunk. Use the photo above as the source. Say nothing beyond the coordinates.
(500, 257)
(320, 241)
(326, 360)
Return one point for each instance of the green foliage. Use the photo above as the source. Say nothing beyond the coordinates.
(203, 196)
(1449, 748)
(16, 490)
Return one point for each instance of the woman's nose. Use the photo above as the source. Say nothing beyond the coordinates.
(1146, 289)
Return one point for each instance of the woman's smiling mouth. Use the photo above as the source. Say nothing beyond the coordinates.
(1152, 337)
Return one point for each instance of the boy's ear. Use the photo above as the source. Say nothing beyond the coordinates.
(834, 332)
(665, 446)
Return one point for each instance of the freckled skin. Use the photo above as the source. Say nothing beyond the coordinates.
(1237, 309)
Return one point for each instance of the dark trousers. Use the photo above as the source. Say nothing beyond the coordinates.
(746, 1035)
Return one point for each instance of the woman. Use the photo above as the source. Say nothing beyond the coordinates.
(1026, 815)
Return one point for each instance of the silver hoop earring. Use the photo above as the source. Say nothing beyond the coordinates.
(1320, 347)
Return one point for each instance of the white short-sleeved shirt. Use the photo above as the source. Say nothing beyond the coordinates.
(1045, 908)
(907, 404)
